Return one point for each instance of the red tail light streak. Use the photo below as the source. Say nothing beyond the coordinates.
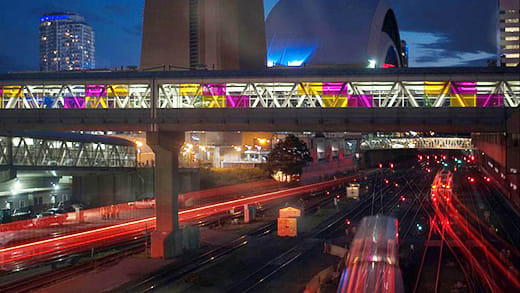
(455, 224)
(99, 236)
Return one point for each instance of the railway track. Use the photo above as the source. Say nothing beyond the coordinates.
(134, 245)
(323, 231)
(183, 268)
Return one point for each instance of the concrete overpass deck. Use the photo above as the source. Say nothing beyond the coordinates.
(442, 99)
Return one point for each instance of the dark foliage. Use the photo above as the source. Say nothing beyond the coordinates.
(289, 156)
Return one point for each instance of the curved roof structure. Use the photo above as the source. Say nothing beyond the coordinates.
(343, 32)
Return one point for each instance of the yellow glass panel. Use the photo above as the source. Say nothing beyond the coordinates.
(95, 102)
(118, 90)
(15, 91)
(458, 100)
(310, 88)
(334, 101)
(434, 88)
(190, 90)
(214, 101)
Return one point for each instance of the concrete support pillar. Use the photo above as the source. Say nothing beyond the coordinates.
(167, 239)
(247, 215)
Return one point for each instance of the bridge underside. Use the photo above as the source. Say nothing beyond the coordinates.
(446, 120)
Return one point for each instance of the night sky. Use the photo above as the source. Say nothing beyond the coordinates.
(439, 33)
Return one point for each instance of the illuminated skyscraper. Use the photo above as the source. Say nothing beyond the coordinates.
(66, 42)
(509, 32)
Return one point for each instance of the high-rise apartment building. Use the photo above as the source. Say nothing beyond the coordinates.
(509, 27)
(66, 42)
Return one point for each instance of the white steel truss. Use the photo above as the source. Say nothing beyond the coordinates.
(383, 94)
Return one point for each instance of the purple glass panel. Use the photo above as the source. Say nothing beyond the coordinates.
(214, 90)
(360, 101)
(465, 87)
(492, 100)
(74, 102)
(335, 89)
(95, 90)
(237, 102)
(1, 93)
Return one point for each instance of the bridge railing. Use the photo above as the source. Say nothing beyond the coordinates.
(340, 94)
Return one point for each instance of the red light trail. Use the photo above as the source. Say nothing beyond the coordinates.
(97, 236)
(446, 210)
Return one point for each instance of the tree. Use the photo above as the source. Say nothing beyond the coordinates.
(289, 156)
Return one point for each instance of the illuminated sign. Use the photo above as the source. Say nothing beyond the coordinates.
(54, 17)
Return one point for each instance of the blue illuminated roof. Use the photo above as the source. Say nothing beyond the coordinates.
(287, 51)
(54, 17)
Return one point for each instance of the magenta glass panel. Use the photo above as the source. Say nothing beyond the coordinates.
(237, 102)
(335, 89)
(360, 101)
(492, 100)
(95, 90)
(74, 102)
(1, 92)
(465, 87)
(214, 90)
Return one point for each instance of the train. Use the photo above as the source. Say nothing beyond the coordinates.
(372, 264)
(442, 186)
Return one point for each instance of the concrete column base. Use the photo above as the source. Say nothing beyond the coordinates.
(167, 244)
(191, 238)
(171, 244)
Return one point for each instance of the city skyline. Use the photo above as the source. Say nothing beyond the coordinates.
(118, 24)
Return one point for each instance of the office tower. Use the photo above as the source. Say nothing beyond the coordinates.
(509, 27)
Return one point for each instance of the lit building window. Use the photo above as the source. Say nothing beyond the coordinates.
(511, 47)
(511, 64)
(512, 20)
(513, 56)
(512, 29)
(513, 38)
